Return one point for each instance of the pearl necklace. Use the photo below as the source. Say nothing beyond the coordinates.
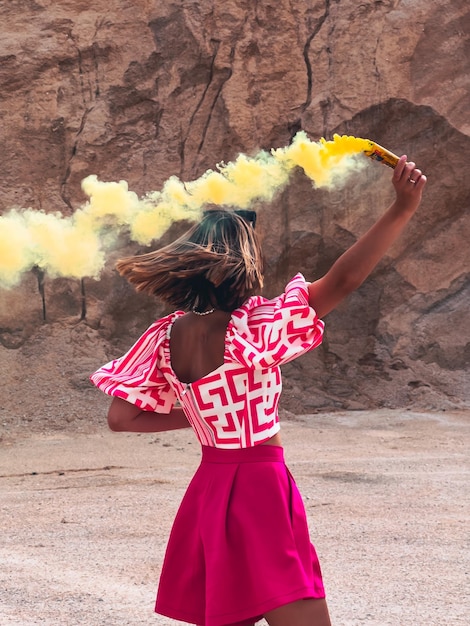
(203, 312)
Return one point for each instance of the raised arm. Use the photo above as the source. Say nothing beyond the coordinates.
(126, 417)
(355, 265)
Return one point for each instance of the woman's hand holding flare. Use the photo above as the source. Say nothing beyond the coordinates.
(409, 182)
(355, 265)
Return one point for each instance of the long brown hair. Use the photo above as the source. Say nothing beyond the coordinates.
(217, 263)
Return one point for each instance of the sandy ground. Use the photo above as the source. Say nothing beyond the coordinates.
(85, 518)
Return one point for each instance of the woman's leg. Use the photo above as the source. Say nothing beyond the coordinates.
(309, 612)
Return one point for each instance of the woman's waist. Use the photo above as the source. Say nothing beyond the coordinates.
(254, 454)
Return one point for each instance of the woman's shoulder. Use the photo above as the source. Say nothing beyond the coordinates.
(159, 329)
(268, 332)
(295, 293)
(166, 321)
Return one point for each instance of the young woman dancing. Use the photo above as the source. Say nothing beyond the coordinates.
(239, 549)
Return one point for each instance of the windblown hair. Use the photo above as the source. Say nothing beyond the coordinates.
(217, 263)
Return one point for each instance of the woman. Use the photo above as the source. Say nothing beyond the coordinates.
(239, 549)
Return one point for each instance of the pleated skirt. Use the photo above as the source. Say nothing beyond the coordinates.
(240, 545)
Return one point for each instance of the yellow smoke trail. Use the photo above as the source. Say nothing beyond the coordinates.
(76, 246)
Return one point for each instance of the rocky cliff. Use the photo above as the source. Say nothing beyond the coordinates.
(141, 91)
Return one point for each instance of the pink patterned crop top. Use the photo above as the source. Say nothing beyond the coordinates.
(236, 405)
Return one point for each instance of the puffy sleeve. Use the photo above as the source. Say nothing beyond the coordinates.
(138, 376)
(267, 333)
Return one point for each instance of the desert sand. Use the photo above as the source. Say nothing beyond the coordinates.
(85, 518)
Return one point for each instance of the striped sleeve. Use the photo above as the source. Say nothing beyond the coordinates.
(138, 376)
(267, 333)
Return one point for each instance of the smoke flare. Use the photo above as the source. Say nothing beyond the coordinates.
(76, 246)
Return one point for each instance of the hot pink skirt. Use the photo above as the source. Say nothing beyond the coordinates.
(239, 546)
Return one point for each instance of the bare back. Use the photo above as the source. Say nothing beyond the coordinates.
(197, 344)
(197, 347)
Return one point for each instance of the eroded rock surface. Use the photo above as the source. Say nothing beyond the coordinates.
(143, 90)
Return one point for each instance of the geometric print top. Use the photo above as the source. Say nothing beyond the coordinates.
(236, 405)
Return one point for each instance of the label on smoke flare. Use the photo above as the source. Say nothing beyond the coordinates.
(378, 153)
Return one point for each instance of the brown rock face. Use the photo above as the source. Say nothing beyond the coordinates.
(142, 91)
